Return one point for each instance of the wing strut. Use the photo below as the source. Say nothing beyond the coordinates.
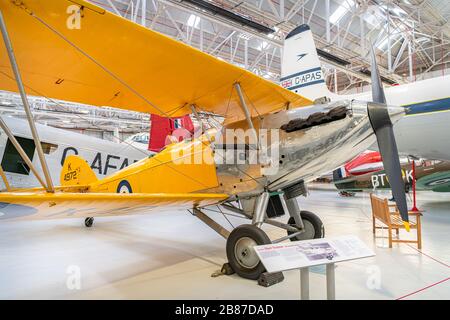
(22, 153)
(246, 111)
(26, 106)
(197, 116)
(5, 179)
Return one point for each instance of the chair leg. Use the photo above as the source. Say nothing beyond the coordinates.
(390, 237)
(373, 224)
(419, 233)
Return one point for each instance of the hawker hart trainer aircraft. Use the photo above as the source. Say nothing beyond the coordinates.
(104, 157)
(295, 141)
(423, 133)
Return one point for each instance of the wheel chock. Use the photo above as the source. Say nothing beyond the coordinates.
(268, 279)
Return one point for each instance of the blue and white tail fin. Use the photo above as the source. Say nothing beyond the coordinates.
(301, 70)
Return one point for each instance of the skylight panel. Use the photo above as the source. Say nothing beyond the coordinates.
(340, 12)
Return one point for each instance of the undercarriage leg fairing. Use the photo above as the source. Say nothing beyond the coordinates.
(294, 211)
(259, 214)
(308, 224)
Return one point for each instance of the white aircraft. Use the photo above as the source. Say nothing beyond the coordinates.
(139, 141)
(424, 132)
(104, 157)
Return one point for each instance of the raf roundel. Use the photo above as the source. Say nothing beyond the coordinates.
(124, 187)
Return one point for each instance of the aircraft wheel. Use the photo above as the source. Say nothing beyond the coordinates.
(88, 222)
(241, 256)
(314, 228)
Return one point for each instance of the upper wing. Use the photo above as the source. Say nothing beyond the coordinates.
(40, 205)
(110, 61)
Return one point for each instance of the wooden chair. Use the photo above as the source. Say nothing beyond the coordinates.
(381, 211)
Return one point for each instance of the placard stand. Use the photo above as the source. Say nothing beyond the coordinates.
(331, 282)
(304, 254)
(304, 283)
(331, 285)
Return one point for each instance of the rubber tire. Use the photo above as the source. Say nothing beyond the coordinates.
(259, 236)
(88, 222)
(319, 230)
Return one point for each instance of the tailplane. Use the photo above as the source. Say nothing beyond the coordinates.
(301, 70)
(76, 171)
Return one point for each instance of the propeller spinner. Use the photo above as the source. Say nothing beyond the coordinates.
(382, 125)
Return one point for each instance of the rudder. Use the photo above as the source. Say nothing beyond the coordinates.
(76, 171)
(301, 70)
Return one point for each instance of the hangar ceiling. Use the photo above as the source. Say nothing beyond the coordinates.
(411, 37)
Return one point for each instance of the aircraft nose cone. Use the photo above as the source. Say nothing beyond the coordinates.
(396, 113)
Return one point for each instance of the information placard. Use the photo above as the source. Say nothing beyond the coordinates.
(300, 254)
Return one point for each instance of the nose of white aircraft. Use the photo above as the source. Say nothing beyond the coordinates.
(396, 113)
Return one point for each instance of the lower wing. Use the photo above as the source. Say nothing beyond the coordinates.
(32, 205)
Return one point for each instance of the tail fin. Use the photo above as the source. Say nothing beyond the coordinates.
(301, 70)
(76, 171)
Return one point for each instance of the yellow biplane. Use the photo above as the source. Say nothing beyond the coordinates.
(273, 141)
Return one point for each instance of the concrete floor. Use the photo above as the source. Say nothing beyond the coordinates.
(172, 256)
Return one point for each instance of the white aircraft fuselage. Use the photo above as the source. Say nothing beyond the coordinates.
(104, 157)
(424, 131)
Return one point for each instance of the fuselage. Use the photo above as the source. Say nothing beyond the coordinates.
(291, 146)
(434, 176)
(104, 157)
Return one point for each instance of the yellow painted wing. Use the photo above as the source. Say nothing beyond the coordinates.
(110, 61)
(41, 205)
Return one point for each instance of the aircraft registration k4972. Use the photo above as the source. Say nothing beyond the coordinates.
(272, 142)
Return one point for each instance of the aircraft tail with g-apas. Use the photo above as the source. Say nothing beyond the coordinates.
(273, 141)
(422, 133)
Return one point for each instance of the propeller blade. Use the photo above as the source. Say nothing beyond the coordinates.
(377, 86)
(382, 125)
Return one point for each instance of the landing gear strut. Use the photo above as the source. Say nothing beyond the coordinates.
(242, 257)
(88, 222)
(240, 253)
